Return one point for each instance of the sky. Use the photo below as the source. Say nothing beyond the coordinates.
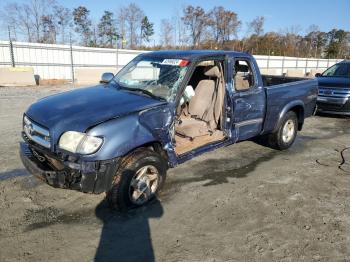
(279, 14)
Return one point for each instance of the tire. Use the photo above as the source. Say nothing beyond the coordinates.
(135, 175)
(285, 136)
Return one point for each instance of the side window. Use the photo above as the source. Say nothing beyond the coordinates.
(244, 78)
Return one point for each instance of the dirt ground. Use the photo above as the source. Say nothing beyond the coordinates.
(244, 202)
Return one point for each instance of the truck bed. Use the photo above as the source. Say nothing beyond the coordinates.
(281, 91)
(271, 80)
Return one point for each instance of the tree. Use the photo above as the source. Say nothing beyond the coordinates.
(27, 18)
(94, 36)
(129, 24)
(82, 23)
(49, 29)
(121, 23)
(224, 24)
(107, 31)
(38, 9)
(166, 33)
(20, 18)
(257, 25)
(63, 19)
(316, 41)
(337, 43)
(197, 21)
(146, 29)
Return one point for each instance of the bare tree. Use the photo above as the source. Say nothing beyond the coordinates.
(224, 24)
(291, 39)
(29, 18)
(38, 9)
(63, 19)
(20, 18)
(196, 20)
(166, 33)
(48, 29)
(180, 33)
(129, 21)
(257, 25)
(94, 35)
(121, 22)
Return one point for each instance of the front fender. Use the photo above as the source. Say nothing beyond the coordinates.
(121, 135)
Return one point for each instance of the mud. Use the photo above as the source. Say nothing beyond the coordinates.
(243, 202)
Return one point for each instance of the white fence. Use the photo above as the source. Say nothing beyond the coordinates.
(60, 61)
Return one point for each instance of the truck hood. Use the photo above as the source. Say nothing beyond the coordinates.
(343, 82)
(80, 109)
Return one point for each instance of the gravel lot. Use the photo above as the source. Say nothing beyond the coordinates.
(240, 203)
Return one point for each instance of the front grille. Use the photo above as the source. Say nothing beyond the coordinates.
(334, 92)
(36, 133)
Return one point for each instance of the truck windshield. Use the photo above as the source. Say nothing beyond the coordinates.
(340, 70)
(157, 77)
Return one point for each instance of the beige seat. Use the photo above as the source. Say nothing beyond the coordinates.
(242, 81)
(205, 107)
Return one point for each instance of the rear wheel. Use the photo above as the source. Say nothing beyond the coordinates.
(285, 136)
(138, 180)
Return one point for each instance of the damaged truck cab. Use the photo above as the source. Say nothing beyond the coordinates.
(160, 110)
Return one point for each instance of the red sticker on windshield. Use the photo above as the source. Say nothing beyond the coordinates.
(184, 63)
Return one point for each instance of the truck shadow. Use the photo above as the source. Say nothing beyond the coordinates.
(126, 237)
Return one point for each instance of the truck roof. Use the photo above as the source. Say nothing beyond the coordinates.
(193, 54)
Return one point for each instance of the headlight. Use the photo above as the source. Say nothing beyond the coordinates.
(81, 143)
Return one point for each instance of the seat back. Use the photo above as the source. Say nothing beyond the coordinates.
(202, 100)
(243, 77)
(206, 104)
(241, 82)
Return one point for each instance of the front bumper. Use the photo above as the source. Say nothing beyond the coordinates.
(333, 106)
(90, 177)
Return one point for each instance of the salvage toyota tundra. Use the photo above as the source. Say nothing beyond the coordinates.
(160, 110)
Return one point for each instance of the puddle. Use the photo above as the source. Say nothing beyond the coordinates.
(217, 171)
(13, 174)
(46, 217)
(41, 218)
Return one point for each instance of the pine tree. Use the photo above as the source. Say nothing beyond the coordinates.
(146, 29)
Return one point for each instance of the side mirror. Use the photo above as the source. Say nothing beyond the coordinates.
(106, 78)
(318, 75)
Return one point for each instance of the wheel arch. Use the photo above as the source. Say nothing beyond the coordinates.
(155, 146)
(298, 108)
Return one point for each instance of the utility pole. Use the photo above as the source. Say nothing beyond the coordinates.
(117, 54)
(71, 58)
(11, 49)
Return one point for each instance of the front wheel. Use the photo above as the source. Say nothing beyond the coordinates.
(138, 180)
(285, 136)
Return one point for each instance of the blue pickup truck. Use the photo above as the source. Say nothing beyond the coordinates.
(160, 110)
